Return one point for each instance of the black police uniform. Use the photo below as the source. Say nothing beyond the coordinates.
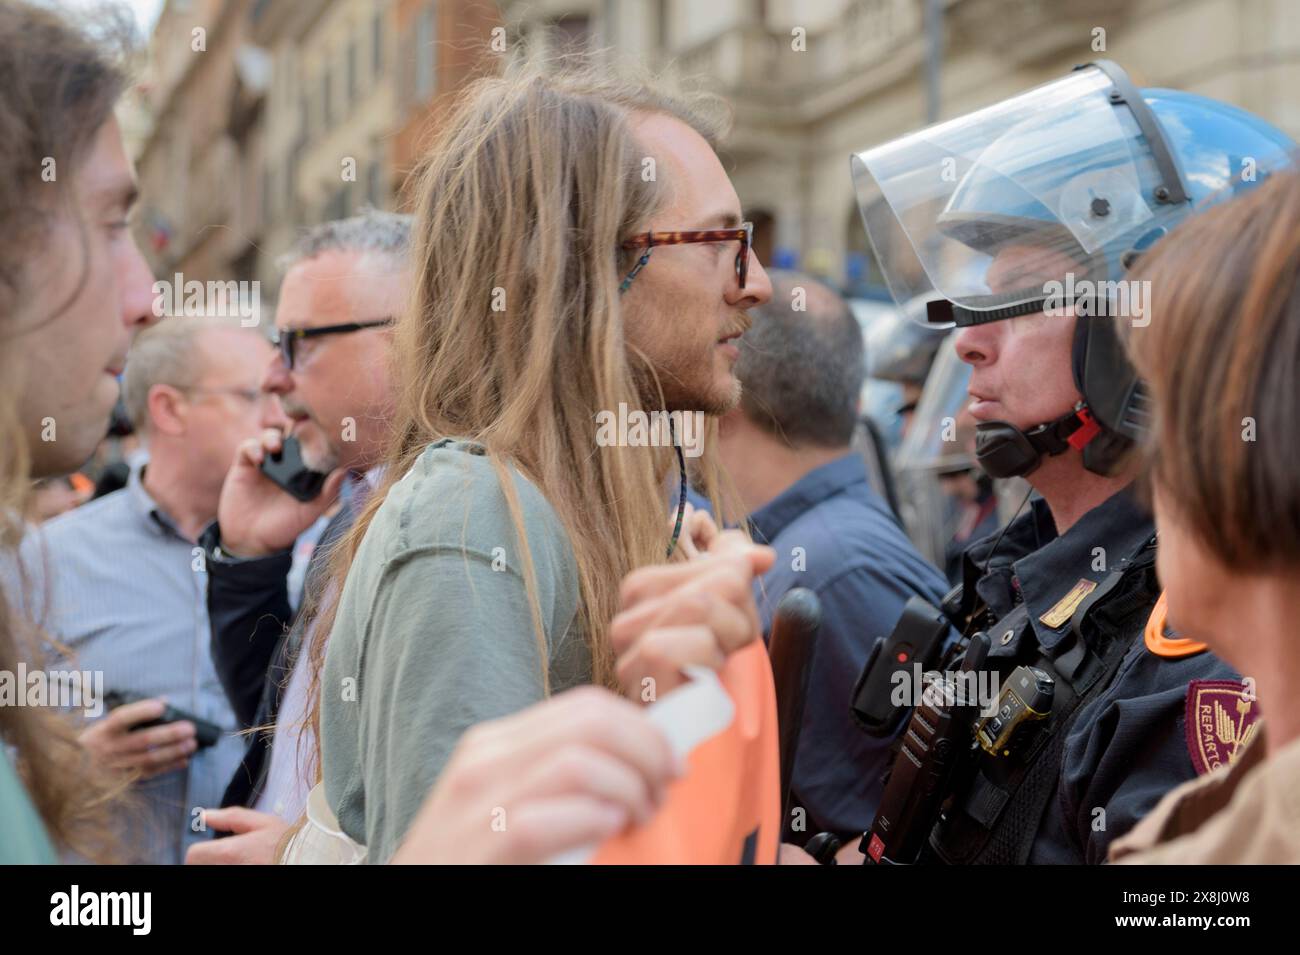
(1114, 742)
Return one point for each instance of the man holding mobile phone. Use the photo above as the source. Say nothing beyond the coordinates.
(343, 283)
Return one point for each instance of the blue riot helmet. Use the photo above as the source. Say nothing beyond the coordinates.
(1081, 175)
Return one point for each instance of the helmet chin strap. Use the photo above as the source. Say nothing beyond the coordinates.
(1004, 451)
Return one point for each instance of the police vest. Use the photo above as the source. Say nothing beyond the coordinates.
(999, 802)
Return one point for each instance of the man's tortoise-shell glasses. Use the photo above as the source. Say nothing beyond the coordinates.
(648, 240)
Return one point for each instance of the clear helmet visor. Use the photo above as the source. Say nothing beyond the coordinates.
(985, 210)
(940, 439)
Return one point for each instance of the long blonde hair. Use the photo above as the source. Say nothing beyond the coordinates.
(522, 199)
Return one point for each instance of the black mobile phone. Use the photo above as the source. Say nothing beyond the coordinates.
(205, 733)
(287, 470)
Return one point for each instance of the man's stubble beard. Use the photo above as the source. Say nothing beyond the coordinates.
(677, 390)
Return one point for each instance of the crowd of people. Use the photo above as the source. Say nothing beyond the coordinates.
(458, 646)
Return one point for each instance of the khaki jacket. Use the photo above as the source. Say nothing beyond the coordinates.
(1244, 813)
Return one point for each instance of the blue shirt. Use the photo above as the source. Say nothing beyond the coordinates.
(117, 584)
(834, 535)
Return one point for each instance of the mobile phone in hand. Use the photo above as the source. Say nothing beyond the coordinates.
(287, 470)
(205, 733)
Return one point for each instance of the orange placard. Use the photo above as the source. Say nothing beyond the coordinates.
(727, 809)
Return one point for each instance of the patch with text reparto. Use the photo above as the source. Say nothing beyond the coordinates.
(1067, 605)
(1221, 719)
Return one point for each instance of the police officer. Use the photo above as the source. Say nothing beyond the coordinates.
(1019, 221)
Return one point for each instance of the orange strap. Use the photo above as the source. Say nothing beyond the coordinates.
(1162, 641)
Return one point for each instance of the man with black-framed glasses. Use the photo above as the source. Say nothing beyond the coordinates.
(284, 339)
(344, 283)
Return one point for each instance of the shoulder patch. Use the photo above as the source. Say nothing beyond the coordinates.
(1066, 606)
(1164, 642)
(1221, 718)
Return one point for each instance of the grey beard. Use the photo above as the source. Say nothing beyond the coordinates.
(324, 462)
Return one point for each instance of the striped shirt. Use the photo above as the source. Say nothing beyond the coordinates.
(117, 583)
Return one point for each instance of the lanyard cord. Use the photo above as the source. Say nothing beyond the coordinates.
(681, 493)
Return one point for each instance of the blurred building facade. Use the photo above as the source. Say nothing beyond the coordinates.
(255, 118)
(298, 111)
(813, 81)
(197, 154)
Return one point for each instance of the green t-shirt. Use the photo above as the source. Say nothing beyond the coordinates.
(23, 840)
(434, 634)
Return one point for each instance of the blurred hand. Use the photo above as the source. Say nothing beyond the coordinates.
(257, 518)
(149, 752)
(849, 854)
(259, 834)
(698, 532)
(790, 854)
(562, 774)
(692, 613)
